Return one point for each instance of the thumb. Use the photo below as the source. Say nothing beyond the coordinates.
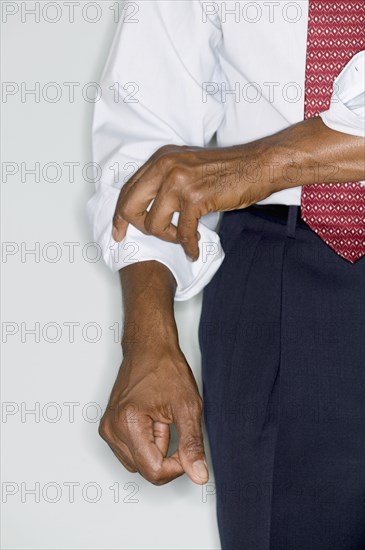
(191, 445)
(119, 228)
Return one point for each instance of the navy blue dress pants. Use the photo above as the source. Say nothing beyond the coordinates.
(282, 336)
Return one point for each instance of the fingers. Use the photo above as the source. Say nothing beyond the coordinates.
(191, 446)
(166, 183)
(125, 458)
(158, 220)
(158, 223)
(187, 233)
(134, 199)
(150, 461)
(120, 225)
(142, 447)
(161, 433)
(120, 450)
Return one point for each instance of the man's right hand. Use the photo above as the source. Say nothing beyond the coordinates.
(155, 386)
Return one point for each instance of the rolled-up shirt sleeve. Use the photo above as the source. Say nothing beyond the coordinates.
(155, 91)
(347, 110)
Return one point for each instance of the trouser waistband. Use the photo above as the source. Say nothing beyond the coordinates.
(287, 214)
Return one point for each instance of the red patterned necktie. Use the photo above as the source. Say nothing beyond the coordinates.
(336, 212)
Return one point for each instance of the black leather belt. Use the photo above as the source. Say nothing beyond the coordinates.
(277, 211)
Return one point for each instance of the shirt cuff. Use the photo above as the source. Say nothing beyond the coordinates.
(191, 277)
(347, 110)
(341, 119)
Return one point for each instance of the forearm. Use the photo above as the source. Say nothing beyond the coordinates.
(309, 152)
(148, 297)
(155, 386)
(195, 181)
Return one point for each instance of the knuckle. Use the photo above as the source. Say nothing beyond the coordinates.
(123, 211)
(186, 232)
(118, 218)
(191, 409)
(105, 429)
(178, 175)
(130, 469)
(153, 475)
(166, 161)
(157, 481)
(193, 444)
(152, 228)
(117, 423)
(194, 196)
(183, 238)
(196, 410)
(165, 149)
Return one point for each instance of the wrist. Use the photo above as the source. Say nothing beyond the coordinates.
(148, 298)
(278, 165)
(274, 165)
(261, 166)
(139, 334)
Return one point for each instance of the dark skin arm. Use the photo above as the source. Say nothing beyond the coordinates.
(195, 181)
(155, 386)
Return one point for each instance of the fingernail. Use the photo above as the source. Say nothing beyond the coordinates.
(191, 258)
(200, 469)
(115, 233)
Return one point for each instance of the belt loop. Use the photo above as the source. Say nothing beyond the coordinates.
(291, 225)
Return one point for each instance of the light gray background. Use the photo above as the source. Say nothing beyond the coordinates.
(36, 450)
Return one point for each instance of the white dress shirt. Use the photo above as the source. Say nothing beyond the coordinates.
(180, 72)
